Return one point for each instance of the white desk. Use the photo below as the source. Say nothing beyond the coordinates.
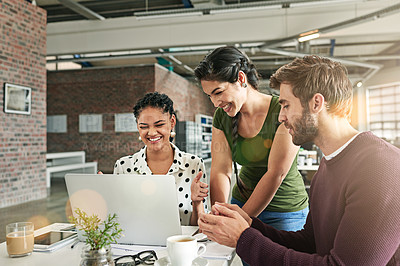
(68, 257)
(60, 163)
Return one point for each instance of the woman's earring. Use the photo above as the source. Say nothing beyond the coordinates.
(244, 85)
(140, 138)
(173, 134)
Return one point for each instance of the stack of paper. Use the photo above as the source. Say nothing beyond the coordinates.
(217, 251)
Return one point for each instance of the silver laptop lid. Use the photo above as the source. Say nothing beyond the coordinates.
(147, 206)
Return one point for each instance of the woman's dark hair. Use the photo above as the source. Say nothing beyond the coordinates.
(224, 63)
(156, 100)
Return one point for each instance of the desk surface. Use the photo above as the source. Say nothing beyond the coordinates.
(67, 256)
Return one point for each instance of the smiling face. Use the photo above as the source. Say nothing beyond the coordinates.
(155, 128)
(302, 124)
(229, 96)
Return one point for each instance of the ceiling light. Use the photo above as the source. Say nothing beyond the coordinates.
(243, 9)
(359, 84)
(188, 68)
(310, 35)
(174, 59)
(171, 15)
(313, 3)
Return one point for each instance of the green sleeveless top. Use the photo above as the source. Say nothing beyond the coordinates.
(252, 154)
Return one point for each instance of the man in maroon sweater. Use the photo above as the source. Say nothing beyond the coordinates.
(354, 216)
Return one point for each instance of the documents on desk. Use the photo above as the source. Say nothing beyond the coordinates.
(217, 251)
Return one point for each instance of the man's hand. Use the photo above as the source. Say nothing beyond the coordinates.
(224, 228)
(198, 189)
(232, 207)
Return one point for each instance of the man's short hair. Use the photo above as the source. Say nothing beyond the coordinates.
(314, 74)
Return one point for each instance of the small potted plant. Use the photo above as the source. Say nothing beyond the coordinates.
(99, 236)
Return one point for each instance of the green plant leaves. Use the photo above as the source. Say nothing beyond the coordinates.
(98, 234)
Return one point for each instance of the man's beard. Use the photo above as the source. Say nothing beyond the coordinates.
(305, 129)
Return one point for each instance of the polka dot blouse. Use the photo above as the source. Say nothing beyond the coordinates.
(184, 168)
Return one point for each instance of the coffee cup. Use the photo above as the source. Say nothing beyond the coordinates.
(183, 249)
(19, 238)
(309, 161)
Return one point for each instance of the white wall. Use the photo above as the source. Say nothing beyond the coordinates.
(385, 76)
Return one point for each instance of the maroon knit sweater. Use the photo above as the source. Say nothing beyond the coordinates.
(354, 216)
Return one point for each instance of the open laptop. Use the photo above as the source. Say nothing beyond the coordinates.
(146, 205)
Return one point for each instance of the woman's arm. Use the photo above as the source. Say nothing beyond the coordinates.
(281, 157)
(221, 167)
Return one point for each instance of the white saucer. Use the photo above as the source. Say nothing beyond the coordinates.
(201, 237)
(164, 261)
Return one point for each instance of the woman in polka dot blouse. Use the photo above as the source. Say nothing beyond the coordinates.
(155, 118)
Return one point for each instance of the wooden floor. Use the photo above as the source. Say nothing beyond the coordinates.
(41, 212)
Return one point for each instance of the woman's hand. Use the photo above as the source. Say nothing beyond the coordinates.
(198, 189)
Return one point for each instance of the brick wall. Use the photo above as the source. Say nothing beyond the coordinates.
(107, 92)
(23, 137)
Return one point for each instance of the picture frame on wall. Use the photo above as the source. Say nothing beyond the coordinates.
(17, 99)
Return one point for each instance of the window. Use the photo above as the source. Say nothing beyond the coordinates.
(384, 110)
(57, 124)
(125, 123)
(90, 123)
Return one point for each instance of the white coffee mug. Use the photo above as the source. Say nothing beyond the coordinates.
(183, 249)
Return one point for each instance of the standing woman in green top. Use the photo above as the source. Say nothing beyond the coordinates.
(246, 128)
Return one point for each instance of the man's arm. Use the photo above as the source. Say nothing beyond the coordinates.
(231, 229)
(368, 233)
(302, 240)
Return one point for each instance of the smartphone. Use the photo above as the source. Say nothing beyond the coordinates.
(50, 239)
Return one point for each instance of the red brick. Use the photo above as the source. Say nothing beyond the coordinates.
(22, 57)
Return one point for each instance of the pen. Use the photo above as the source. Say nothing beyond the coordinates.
(125, 249)
(74, 244)
(195, 232)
